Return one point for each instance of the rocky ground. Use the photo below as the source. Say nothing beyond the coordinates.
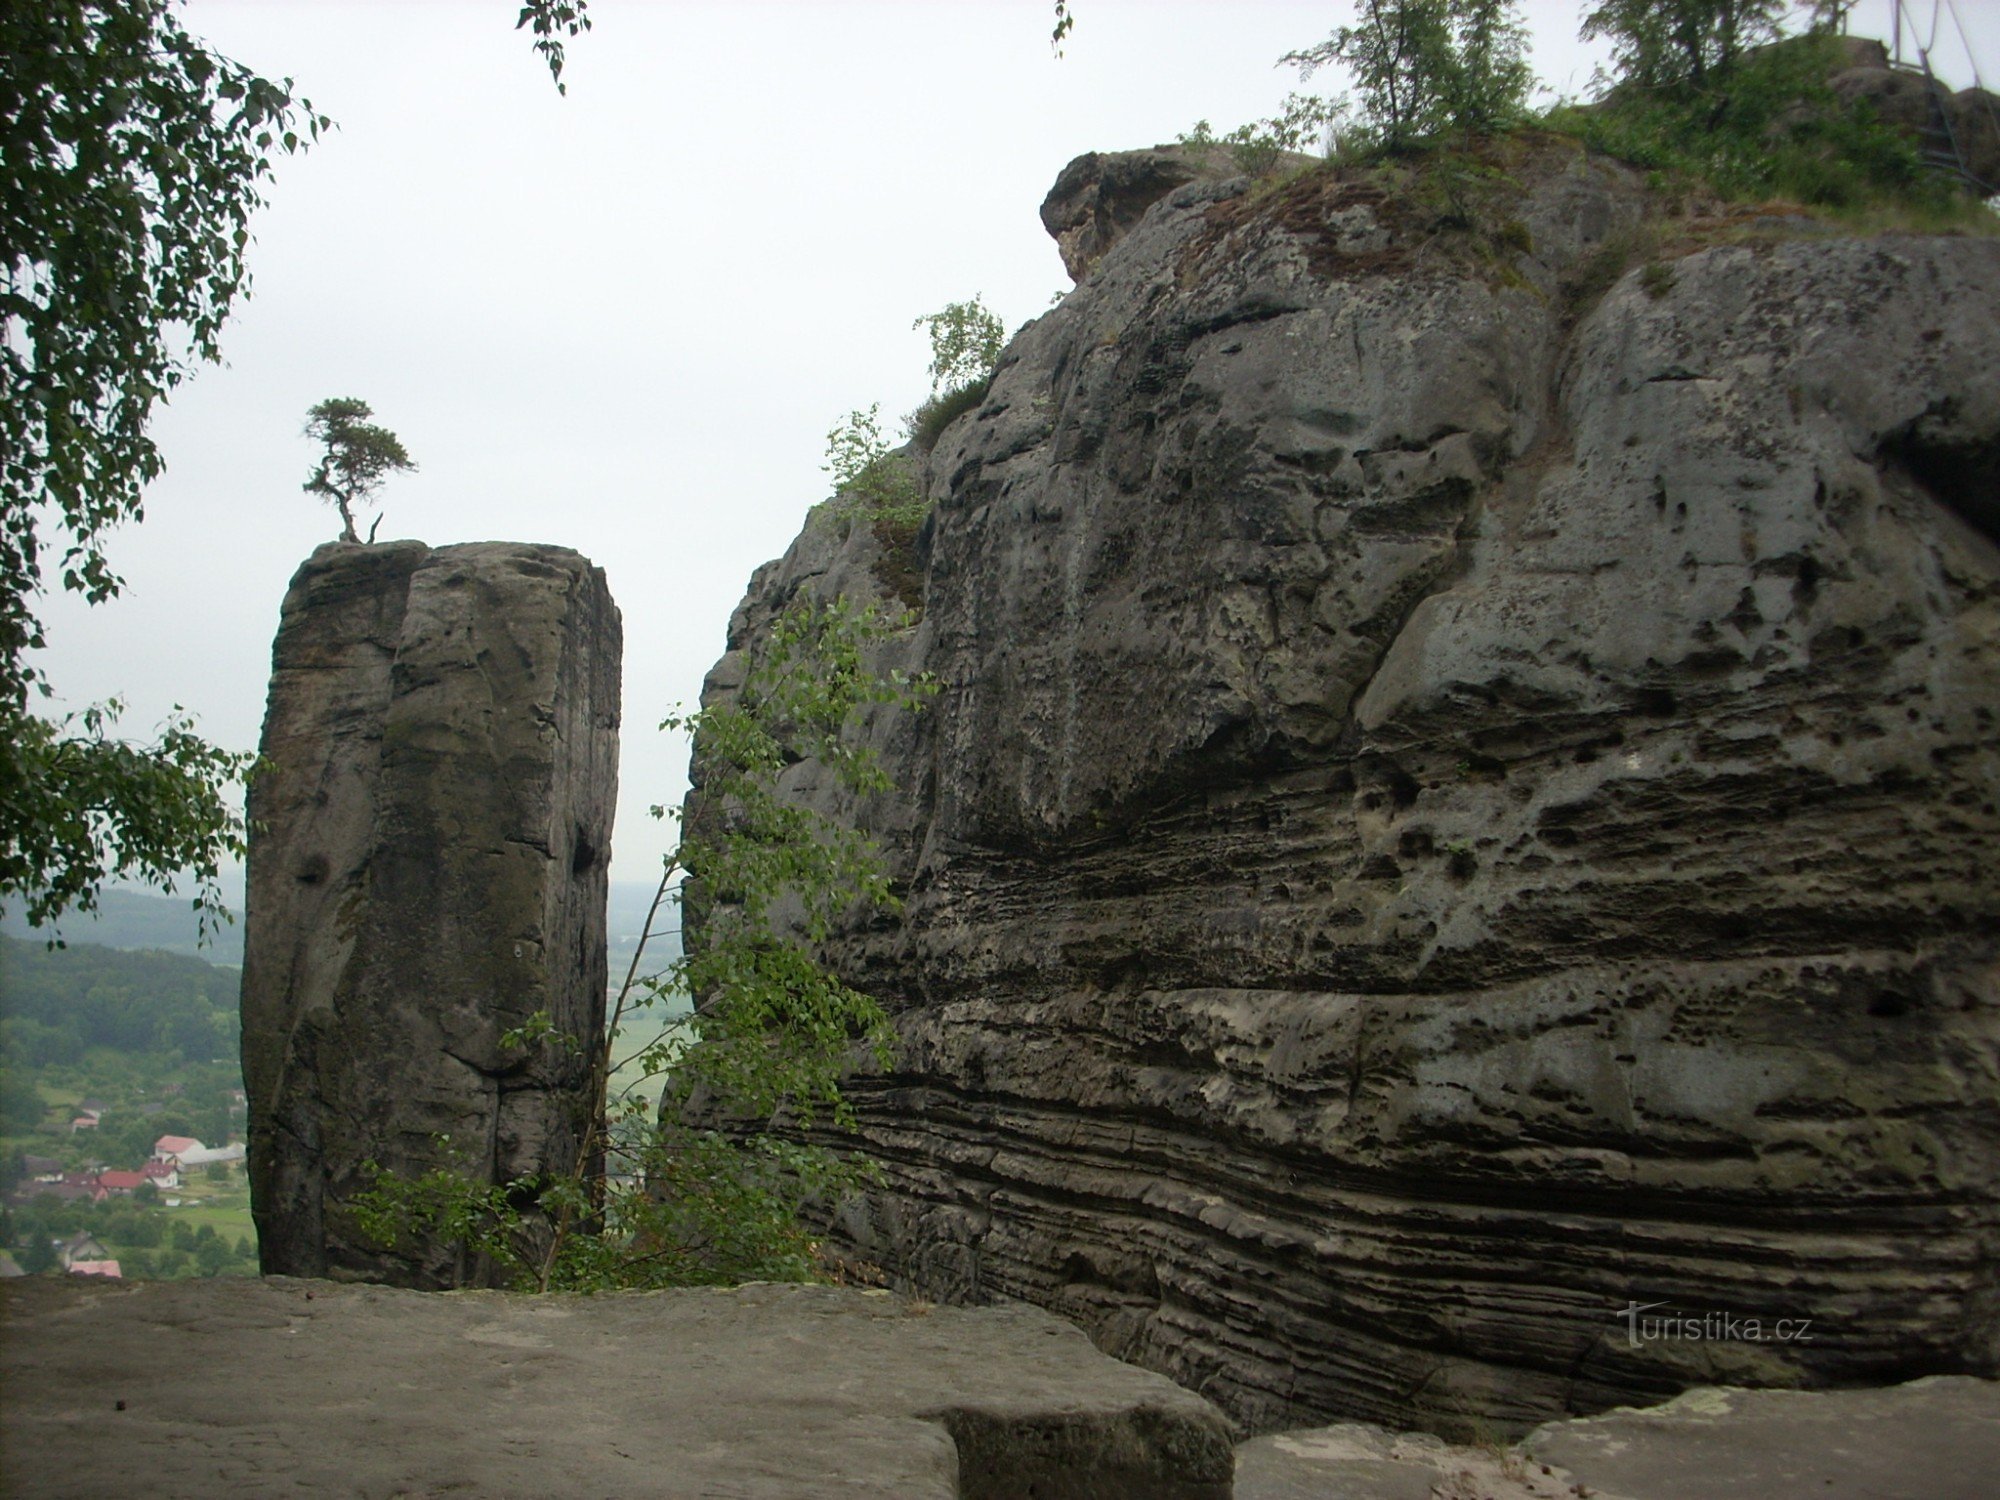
(288, 1386)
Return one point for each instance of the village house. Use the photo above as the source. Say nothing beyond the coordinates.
(206, 1156)
(74, 1187)
(81, 1246)
(174, 1148)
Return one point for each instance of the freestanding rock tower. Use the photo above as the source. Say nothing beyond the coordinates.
(429, 842)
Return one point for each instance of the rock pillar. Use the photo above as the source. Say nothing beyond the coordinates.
(429, 842)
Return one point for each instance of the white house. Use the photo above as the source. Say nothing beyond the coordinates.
(174, 1148)
(203, 1156)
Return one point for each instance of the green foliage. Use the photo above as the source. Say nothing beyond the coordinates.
(551, 22)
(870, 480)
(928, 422)
(358, 457)
(148, 1242)
(447, 1206)
(1303, 124)
(21, 1106)
(130, 162)
(57, 1005)
(80, 808)
(1423, 67)
(131, 159)
(1766, 126)
(1676, 44)
(966, 340)
(709, 1188)
(854, 445)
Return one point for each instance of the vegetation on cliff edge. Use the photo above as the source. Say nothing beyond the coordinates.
(709, 1186)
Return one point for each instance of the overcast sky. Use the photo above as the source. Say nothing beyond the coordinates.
(623, 320)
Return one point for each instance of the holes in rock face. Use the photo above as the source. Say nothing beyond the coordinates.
(585, 855)
(1806, 585)
(1963, 475)
(1416, 844)
(1655, 703)
(1403, 787)
(312, 870)
(1839, 639)
(1890, 1004)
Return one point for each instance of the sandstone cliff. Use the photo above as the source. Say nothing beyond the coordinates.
(1463, 799)
(429, 845)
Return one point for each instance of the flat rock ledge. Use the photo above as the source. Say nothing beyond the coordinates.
(1931, 1439)
(294, 1386)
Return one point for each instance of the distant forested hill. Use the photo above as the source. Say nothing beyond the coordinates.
(139, 919)
(56, 1004)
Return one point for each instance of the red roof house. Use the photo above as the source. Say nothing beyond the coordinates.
(120, 1182)
(171, 1147)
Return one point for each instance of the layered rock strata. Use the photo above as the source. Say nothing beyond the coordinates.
(1462, 801)
(428, 853)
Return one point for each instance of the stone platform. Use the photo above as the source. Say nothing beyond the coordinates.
(291, 1386)
(281, 1386)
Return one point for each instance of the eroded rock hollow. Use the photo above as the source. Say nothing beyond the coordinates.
(1462, 801)
(428, 854)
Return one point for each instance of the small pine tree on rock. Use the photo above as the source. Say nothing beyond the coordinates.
(358, 457)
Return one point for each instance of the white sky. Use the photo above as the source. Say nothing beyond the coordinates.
(623, 321)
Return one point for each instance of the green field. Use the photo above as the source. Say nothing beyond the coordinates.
(227, 1213)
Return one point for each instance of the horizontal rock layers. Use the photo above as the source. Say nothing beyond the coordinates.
(429, 845)
(1463, 800)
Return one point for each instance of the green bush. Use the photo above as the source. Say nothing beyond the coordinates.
(706, 1188)
(928, 422)
(871, 481)
(1427, 67)
(1767, 126)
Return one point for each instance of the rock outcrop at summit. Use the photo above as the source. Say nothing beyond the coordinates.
(429, 845)
(1966, 123)
(1463, 800)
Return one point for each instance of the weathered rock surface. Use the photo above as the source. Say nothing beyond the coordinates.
(1904, 98)
(1099, 196)
(1463, 799)
(427, 869)
(1933, 1439)
(283, 1386)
